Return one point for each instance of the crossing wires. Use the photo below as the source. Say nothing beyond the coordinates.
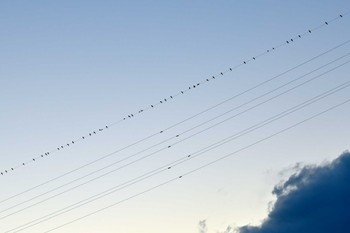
(171, 97)
(189, 118)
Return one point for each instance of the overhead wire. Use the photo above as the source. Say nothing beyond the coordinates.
(198, 168)
(171, 97)
(169, 146)
(178, 123)
(184, 159)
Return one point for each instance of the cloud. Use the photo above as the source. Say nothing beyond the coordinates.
(229, 229)
(315, 199)
(202, 226)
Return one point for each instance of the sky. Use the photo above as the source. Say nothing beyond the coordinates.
(69, 68)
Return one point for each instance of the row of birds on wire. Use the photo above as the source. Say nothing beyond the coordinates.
(190, 156)
(164, 100)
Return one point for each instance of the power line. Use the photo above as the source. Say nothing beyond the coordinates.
(196, 169)
(169, 146)
(178, 123)
(184, 159)
(162, 149)
(171, 97)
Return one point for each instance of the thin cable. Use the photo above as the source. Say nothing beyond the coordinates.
(162, 149)
(179, 123)
(184, 159)
(199, 168)
(167, 99)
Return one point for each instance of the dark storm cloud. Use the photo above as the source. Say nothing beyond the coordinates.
(316, 199)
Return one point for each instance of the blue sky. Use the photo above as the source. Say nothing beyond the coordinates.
(71, 67)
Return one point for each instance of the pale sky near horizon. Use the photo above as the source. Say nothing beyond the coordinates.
(69, 67)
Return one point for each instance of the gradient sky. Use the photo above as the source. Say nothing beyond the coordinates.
(69, 67)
